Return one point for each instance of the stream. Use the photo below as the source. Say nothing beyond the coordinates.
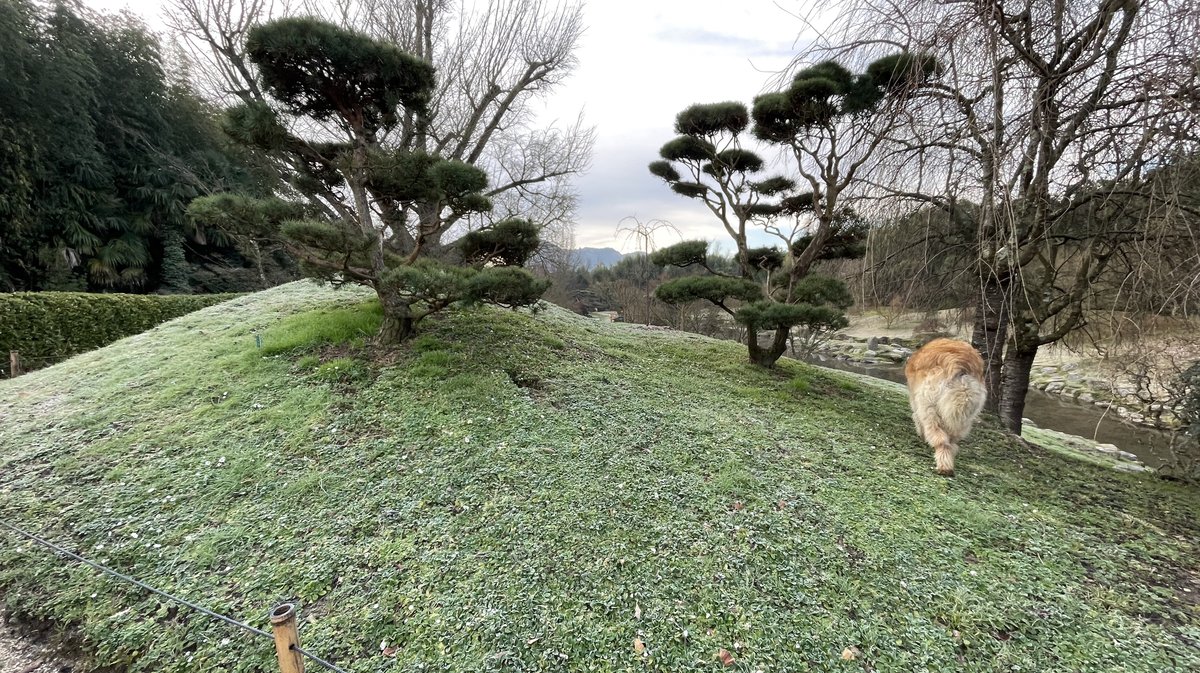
(1152, 447)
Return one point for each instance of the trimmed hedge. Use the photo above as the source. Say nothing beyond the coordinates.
(45, 327)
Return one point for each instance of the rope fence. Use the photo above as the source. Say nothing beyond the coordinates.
(283, 617)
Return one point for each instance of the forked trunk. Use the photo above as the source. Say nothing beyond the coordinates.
(767, 357)
(1017, 366)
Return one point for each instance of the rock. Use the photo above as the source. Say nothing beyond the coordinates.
(872, 343)
(1070, 367)
(884, 340)
(1074, 377)
(1054, 387)
(1130, 467)
(1107, 448)
(1026, 421)
(1086, 397)
(894, 357)
(1049, 370)
(1125, 455)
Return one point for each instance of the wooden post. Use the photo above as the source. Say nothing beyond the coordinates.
(14, 364)
(287, 639)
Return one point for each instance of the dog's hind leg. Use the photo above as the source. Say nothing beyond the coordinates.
(943, 454)
(943, 448)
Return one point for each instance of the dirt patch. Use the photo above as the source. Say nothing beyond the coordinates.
(25, 651)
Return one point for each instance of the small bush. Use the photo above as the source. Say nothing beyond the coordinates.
(45, 327)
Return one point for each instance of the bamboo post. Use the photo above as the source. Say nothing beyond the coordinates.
(287, 639)
(14, 364)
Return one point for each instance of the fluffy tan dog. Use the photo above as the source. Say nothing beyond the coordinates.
(946, 392)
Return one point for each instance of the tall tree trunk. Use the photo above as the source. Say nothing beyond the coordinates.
(174, 262)
(989, 335)
(1018, 363)
(258, 264)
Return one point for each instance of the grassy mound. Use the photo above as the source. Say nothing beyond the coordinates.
(516, 492)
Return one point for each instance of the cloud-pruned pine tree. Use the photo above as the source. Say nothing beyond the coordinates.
(831, 121)
(342, 108)
(708, 163)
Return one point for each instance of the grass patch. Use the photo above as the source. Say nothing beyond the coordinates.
(492, 500)
(340, 370)
(324, 326)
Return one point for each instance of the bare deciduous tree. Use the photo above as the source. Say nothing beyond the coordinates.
(1049, 118)
(493, 62)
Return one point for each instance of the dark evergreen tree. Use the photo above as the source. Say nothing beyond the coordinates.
(100, 155)
(344, 109)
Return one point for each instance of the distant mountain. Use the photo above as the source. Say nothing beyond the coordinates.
(590, 258)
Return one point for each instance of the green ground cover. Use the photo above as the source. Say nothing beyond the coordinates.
(544, 492)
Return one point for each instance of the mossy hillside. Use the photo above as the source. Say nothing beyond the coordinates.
(544, 492)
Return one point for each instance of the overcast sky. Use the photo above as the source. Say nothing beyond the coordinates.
(641, 62)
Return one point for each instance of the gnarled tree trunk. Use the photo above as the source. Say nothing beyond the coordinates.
(398, 321)
(767, 357)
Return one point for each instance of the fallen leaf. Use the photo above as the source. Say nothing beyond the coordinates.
(533, 640)
(389, 651)
(725, 657)
(637, 611)
(638, 645)
(782, 505)
(850, 653)
(738, 506)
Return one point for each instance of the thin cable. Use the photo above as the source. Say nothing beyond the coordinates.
(131, 580)
(147, 587)
(317, 659)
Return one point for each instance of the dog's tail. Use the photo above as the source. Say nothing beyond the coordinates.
(958, 403)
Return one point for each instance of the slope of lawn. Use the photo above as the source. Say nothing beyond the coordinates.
(516, 492)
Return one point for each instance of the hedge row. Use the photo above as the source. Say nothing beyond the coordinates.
(45, 327)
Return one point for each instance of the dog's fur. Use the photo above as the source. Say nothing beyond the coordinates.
(946, 392)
